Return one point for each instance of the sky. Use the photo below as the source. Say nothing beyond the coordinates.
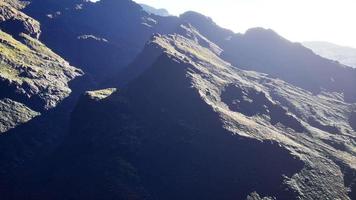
(297, 20)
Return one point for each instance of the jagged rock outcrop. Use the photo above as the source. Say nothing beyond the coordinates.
(13, 21)
(255, 196)
(33, 74)
(30, 73)
(13, 113)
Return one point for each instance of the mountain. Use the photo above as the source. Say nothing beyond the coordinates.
(161, 12)
(106, 101)
(345, 55)
(183, 126)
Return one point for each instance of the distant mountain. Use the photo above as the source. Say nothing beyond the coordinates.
(107, 101)
(345, 55)
(263, 50)
(161, 12)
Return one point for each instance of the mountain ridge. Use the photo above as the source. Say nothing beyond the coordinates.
(204, 69)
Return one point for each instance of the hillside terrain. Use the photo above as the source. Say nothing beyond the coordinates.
(108, 101)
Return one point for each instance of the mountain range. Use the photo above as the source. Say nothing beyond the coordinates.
(107, 100)
(345, 55)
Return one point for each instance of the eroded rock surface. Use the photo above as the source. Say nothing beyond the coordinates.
(13, 114)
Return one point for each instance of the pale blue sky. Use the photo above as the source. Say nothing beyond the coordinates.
(297, 20)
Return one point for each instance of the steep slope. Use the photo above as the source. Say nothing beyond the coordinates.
(34, 83)
(15, 22)
(12, 114)
(345, 55)
(33, 74)
(265, 51)
(30, 73)
(191, 126)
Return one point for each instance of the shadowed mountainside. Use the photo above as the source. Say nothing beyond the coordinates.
(101, 38)
(189, 144)
(200, 112)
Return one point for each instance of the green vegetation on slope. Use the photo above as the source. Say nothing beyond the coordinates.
(34, 69)
(100, 94)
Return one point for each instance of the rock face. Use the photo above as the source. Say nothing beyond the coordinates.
(100, 94)
(30, 73)
(345, 55)
(15, 21)
(13, 114)
(200, 112)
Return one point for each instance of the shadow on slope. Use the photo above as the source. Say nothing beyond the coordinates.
(172, 143)
(23, 149)
(352, 120)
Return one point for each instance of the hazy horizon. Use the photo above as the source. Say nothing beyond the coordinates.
(298, 21)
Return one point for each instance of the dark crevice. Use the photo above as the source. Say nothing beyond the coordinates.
(327, 128)
(9, 90)
(352, 120)
(349, 178)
